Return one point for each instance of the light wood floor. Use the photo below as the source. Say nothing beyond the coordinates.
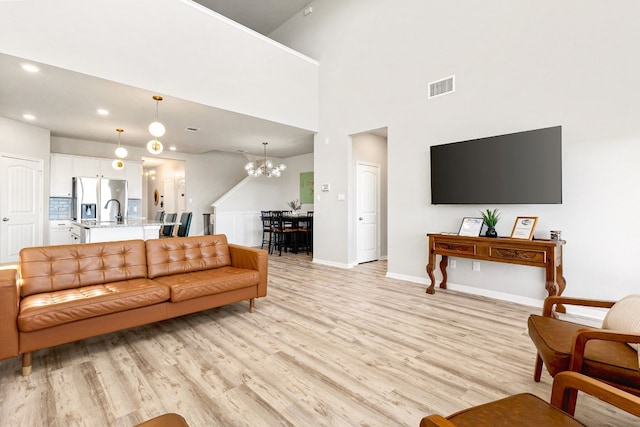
(326, 347)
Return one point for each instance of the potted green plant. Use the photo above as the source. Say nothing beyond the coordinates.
(295, 205)
(490, 218)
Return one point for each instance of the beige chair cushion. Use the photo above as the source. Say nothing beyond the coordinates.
(624, 316)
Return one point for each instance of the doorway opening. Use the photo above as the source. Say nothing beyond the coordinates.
(369, 156)
(163, 186)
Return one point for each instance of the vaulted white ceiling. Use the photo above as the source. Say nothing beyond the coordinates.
(64, 99)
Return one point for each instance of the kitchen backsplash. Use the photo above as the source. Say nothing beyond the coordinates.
(60, 208)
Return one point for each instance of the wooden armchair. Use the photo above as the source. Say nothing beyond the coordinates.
(525, 409)
(599, 353)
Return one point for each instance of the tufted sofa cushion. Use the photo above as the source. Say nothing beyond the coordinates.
(185, 255)
(49, 309)
(56, 268)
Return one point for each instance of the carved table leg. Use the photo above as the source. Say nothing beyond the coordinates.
(431, 288)
(443, 269)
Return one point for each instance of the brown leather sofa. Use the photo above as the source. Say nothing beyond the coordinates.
(61, 294)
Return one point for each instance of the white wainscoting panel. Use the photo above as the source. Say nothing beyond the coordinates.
(242, 227)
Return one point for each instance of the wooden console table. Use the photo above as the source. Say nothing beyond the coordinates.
(546, 254)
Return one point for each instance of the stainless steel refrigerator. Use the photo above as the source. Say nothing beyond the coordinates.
(99, 199)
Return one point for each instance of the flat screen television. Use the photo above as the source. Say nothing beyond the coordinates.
(517, 168)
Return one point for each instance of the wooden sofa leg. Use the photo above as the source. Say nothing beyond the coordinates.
(537, 373)
(26, 364)
(252, 305)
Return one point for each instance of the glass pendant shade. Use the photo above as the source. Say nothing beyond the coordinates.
(154, 146)
(117, 164)
(156, 129)
(121, 152)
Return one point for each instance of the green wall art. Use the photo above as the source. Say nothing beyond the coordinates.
(306, 187)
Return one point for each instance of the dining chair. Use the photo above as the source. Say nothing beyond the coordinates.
(167, 230)
(159, 215)
(282, 230)
(527, 410)
(185, 223)
(265, 218)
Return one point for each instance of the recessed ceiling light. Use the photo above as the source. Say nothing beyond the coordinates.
(30, 68)
(172, 148)
(103, 112)
(29, 116)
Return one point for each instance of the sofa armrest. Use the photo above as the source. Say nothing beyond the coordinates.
(253, 259)
(9, 307)
(551, 301)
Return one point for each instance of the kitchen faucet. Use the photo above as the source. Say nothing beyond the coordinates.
(119, 216)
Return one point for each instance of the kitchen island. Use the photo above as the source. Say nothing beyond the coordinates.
(110, 231)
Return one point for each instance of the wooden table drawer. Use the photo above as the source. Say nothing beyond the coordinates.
(454, 248)
(527, 255)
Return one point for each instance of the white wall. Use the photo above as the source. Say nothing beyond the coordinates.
(173, 47)
(291, 180)
(518, 66)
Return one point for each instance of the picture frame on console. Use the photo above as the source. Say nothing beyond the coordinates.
(523, 227)
(470, 226)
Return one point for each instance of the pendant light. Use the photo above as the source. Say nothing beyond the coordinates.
(117, 164)
(264, 167)
(154, 146)
(121, 152)
(156, 128)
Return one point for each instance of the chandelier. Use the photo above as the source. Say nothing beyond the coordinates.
(264, 166)
(156, 129)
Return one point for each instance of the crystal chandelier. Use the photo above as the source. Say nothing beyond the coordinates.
(264, 166)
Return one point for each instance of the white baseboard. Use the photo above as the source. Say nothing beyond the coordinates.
(590, 315)
(332, 263)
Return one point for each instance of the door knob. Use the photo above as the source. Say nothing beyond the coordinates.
(5, 219)
(360, 219)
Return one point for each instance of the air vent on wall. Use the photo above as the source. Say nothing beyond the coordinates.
(191, 129)
(442, 87)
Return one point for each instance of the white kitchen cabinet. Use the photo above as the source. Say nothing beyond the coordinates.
(65, 166)
(61, 167)
(59, 232)
(86, 166)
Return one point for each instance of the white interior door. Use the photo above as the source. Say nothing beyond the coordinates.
(368, 212)
(20, 206)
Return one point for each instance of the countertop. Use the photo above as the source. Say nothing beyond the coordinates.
(126, 223)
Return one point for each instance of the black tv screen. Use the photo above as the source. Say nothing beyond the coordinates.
(518, 168)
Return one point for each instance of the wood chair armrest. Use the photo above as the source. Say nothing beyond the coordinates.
(436, 421)
(585, 335)
(566, 381)
(551, 301)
